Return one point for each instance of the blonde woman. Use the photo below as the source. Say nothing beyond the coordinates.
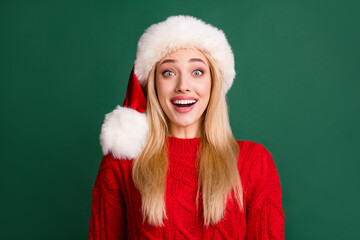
(177, 171)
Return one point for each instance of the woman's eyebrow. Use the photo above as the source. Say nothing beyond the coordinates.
(167, 61)
(197, 60)
(190, 60)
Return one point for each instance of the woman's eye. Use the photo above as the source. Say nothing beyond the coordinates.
(198, 72)
(168, 73)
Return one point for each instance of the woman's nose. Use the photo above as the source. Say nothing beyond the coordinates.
(183, 84)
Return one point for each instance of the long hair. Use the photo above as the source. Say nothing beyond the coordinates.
(218, 177)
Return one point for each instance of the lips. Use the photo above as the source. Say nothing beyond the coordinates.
(183, 104)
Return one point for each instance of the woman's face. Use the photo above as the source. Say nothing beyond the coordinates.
(183, 84)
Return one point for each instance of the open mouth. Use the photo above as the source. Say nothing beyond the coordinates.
(183, 103)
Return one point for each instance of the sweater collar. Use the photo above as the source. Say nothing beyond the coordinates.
(188, 146)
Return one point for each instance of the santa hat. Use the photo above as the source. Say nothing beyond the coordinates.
(124, 130)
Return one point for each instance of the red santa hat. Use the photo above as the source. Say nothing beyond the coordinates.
(124, 130)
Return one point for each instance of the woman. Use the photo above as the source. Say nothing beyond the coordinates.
(177, 172)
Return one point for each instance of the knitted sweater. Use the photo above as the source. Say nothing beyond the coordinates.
(116, 201)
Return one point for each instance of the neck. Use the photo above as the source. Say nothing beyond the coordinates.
(192, 131)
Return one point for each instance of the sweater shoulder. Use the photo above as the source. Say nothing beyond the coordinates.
(254, 160)
(114, 171)
(252, 149)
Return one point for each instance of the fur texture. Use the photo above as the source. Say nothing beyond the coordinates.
(123, 133)
(178, 32)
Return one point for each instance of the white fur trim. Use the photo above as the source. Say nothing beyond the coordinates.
(178, 32)
(123, 133)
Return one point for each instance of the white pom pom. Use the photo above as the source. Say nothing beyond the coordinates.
(124, 133)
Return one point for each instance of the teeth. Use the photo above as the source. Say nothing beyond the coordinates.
(184, 101)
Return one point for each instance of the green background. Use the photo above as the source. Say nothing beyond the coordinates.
(65, 64)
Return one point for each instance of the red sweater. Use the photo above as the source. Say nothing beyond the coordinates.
(116, 202)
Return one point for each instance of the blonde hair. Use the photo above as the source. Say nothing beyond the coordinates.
(218, 178)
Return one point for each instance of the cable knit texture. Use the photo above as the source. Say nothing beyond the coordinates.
(116, 204)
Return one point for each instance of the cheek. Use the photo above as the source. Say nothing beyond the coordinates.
(159, 86)
(162, 92)
(205, 89)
